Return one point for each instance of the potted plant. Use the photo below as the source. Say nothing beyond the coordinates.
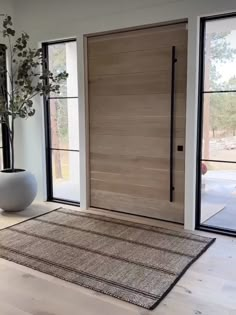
(27, 77)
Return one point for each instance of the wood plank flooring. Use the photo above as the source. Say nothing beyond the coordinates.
(208, 288)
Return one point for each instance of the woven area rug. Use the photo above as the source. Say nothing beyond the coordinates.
(132, 262)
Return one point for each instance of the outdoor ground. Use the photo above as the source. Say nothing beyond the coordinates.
(219, 199)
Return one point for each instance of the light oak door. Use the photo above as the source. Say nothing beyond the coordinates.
(135, 83)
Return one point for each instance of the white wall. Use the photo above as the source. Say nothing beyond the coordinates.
(56, 19)
(6, 7)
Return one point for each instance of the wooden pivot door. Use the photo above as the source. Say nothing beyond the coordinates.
(137, 97)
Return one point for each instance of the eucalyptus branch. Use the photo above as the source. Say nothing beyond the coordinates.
(28, 99)
(26, 79)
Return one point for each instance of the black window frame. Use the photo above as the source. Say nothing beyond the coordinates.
(5, 147)
(47, 125)
(5, 136)
(201, 92)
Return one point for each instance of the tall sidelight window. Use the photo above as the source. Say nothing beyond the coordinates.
(4, 143)
(62, 125)
(216, 207)
(1, 150)
(4, 148)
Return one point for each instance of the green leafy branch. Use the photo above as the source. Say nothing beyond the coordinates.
(28, 77)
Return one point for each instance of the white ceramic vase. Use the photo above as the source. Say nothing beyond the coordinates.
(17, 190)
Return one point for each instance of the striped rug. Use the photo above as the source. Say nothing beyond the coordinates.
(132, 262)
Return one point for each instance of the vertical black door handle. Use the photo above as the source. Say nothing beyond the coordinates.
(172, 112)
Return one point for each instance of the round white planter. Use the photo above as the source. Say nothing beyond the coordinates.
(17, 190)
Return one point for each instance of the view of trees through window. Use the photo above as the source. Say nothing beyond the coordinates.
(218, 161)
(219, 124)
(64, 123)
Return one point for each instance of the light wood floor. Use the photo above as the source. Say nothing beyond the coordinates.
(208, 288)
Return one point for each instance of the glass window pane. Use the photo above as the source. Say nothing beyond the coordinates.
(63, 57)
(220, 55)
(1, 159)
(219, 127)
(66, 175)
(218, 194)
(0, 135)
(64, 120)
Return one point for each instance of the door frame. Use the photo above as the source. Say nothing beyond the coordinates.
(198, 225)
(87, 114)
